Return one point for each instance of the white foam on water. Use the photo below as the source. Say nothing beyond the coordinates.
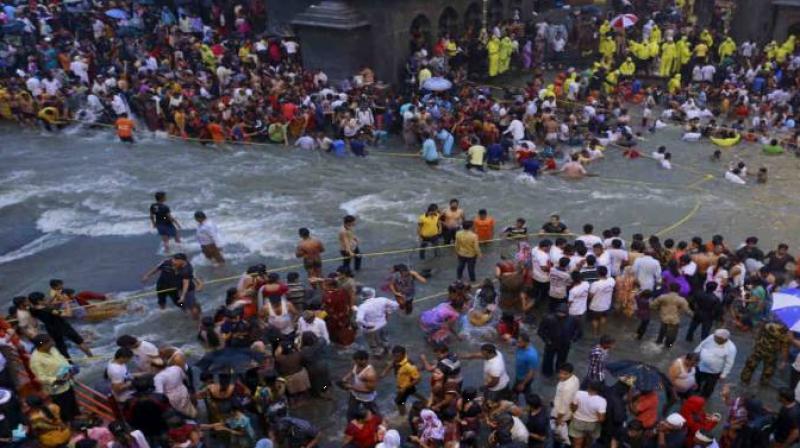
(361, 206)
(525, 179)
(40, 244)
(70, 221)
(15, 197)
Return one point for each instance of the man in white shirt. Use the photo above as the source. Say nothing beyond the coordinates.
(80, 69)
(305, 142)
(34, 86)
(601, 293)
(589, 239)
(371, 318)
(617, 257)
(568, 385)
(516, 129)
(647, 271)
(589, 412)
(51, 85)
(208, 237)
(735, 176)
(313, 324)
(717, 355)
(117, 373)
(495, 377)
(143, 352)
(540, 258)
(708, 71)
(578, 297)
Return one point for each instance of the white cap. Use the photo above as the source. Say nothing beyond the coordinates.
(676, 419)
(722, 333)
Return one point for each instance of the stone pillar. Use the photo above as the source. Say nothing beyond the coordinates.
(335, 38)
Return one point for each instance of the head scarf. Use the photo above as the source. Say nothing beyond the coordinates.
(390, 440)
(431, 428)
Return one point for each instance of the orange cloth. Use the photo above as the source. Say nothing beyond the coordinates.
(124, 127)
(216, 132)
(484, 228)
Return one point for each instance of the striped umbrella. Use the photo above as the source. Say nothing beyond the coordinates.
(624, 21)
(786, 307)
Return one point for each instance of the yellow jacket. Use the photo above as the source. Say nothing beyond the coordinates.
(467, 244)
(627, 68)
(726, 48)
(674, 84)
(706, 38)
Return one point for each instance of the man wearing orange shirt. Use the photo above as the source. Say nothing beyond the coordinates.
(484, 226)
(125, 128)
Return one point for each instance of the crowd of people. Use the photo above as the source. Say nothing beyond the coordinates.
(212, 74)
(284, 327)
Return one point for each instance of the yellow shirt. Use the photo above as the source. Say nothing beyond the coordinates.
(476, 154)
(47, 366)
(467, 244)
(700, 50)
(406, 374)
(429, 225)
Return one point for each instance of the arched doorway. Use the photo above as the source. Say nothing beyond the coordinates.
(420, 33)
(448, 22)
(473, 18)
(495, 13)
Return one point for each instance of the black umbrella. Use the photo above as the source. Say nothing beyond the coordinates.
(230, 360)
(645, 376)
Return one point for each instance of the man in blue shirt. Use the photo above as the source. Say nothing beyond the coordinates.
(526, 362)
(531, 166)
(429, 153)
(447, 141)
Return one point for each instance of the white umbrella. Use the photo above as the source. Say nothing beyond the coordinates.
(624, 21)
(437, 84)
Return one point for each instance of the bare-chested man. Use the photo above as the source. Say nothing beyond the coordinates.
(573, 169)
(452, 218)
(310, 249)
(348, 243)
(551, 130)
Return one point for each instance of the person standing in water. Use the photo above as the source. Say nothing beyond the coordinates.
(452, 219)
(125, 127)
(208, 237)
(348, 243)
(310, 249)
(162, 220)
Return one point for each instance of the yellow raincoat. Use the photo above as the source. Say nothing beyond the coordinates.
(639, 50)
(493, 47)
(506, 48)
(706, 38)
(674, 84)
(726, 48)
(655, 34)
(668, 54)
(627, 68)
(612, 78)
(653, 48)
(605, 28)
(607, 48)
(789, 45)
(684, 50)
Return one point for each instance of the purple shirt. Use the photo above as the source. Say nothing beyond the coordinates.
(667, 278)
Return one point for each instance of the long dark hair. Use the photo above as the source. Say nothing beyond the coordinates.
(35, 402)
